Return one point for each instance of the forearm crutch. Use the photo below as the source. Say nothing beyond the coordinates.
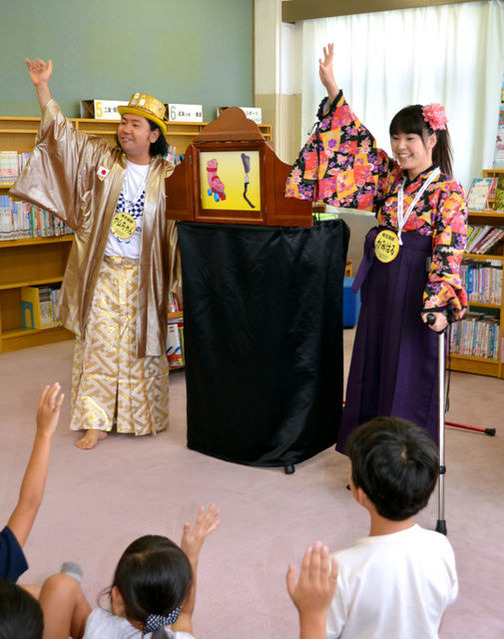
(441, 523)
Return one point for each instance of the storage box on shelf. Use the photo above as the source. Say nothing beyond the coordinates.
(42, 261)
(489, 303)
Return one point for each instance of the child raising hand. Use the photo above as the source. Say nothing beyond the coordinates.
(13, 537)
(152, 593)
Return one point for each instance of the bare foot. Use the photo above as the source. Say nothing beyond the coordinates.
(90, 439)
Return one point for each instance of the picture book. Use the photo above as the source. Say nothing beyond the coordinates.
(477, 198)
(499, 194)
(499, 148)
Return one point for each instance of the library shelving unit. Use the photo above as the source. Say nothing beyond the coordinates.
(40, 261)
(481, 365)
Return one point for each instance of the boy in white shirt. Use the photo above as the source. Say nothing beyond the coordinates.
(398, 581)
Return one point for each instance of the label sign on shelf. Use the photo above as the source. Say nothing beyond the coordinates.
(101, 109)
(252, 113)
(185, 112)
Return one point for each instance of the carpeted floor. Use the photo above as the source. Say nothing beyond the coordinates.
(97, 501)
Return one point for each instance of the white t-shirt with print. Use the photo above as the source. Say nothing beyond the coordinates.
(131, 201)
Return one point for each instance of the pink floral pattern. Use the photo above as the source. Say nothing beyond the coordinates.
(359, 175)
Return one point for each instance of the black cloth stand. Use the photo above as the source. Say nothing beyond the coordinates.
(263, 326)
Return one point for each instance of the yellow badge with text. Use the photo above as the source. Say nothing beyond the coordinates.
(123, 225)
(386, 246)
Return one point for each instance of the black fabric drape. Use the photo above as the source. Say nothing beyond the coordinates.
(263, 339)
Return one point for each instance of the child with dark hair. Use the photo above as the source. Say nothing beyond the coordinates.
(152, 594)
(20, 613)
(411, 262)
(398, 581)
(13, 537)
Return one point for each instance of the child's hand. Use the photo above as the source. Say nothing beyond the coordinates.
(40, 71)
(313, 592)
(205, 523)
(48, 411)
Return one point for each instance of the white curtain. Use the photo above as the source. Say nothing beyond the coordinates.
(451, 54)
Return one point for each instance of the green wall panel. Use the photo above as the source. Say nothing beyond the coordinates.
(182, 51)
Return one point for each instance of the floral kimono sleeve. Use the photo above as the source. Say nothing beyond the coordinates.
(444, 287)
(340, 164)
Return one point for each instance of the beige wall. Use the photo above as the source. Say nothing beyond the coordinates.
(276, 52)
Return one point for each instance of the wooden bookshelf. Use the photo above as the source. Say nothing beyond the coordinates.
(29, 262)
(40, 261)
(481, 365)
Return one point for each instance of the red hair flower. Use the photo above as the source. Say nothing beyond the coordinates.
(435, 116)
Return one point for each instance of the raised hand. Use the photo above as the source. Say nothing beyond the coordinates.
(40, 71)
(32, 488)
(312, 593)
(48, 410)
(193, 538)
(326, 72)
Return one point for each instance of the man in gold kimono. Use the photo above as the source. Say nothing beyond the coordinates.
(123, 263)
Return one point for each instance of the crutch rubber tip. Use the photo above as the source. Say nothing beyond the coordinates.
(490, 431)
(441, 526)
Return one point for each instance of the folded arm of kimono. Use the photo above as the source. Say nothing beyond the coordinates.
(57, 174)
(340, 163)
(444, 289)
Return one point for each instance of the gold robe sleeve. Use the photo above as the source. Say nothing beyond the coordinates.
(55, 177)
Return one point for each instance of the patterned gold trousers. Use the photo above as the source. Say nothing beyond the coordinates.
(110, 385)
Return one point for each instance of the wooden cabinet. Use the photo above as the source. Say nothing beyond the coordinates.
(482, 365)
(30, 262)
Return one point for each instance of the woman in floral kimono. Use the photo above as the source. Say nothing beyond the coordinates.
(411, 262)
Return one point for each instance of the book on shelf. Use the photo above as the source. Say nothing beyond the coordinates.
(499, 139)
(175, 336)
(498, 161)
(477, 198)
(12, 164)
(471, 230)
(499, 194)
(493, 189)
(491, 240)
(476, 237)
(482, 239)
(476, 335)
(172, 157)
(39, 307)
(8, 167)
(482, 280)
(19, 220)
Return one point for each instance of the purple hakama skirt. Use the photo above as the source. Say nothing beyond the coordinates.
(394, 362)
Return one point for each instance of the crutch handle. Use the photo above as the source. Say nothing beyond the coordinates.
(431, 319)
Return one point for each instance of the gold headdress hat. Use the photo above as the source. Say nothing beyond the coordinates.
(148, 107)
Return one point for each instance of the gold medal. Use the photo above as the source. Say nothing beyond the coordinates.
(386, 246)
(123, 225)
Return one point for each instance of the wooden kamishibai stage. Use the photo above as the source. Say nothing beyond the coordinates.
(263, 291)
